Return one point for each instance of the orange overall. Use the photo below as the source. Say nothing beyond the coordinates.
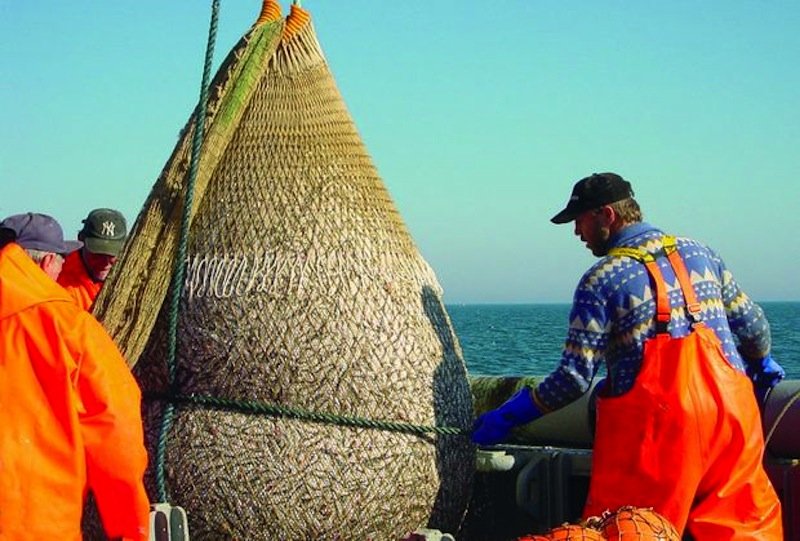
(686, 439)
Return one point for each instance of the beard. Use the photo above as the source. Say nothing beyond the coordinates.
(600, 247)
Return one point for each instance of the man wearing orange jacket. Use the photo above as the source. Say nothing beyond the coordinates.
(70, 416)
(103, 236)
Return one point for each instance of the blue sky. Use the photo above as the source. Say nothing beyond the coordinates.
(479, 115)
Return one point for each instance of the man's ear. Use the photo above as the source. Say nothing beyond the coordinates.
(609, 215)
(46, 261)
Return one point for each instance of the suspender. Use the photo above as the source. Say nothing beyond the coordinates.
(670, 250)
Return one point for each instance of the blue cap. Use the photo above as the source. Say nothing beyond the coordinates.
(41, 232)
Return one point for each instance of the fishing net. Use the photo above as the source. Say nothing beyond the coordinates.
(574, 532)
(303, 289)
(134, 291)
(637, 524)
(628, 523)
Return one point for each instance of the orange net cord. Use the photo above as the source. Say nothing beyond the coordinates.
(295, 21)
(270, 11)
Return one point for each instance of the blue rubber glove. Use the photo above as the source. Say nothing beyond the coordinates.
(765, 374)
(493, 426)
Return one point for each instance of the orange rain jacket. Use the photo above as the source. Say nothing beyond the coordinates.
(76, 280)
(70, 416)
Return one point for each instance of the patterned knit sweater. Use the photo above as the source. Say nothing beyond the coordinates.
(613, 314)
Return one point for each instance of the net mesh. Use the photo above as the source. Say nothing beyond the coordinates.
(638, 524)
(574, 532)
(134, 291)
(303, 288)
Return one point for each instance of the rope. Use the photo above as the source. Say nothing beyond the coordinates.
(274, 410)
(780, 417)
(180, 260)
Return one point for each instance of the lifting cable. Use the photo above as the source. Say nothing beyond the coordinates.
(180, 258)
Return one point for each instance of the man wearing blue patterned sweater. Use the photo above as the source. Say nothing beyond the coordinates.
(702, 408)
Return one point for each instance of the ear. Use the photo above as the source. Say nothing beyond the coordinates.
(608, 215)
(47, 260)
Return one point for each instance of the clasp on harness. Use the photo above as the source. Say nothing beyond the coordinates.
(693, 312)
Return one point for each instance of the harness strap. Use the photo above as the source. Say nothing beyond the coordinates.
(675, 259)
(634, 253)
(663, 311)
(670, 249)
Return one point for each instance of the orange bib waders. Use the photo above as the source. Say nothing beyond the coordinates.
(687, 438)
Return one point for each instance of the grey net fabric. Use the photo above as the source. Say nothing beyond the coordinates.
(132, 295)
(305, 289)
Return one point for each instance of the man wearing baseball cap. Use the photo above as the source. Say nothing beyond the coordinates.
(69, 407)
(678, 427)
(42, 238)
(103, 235)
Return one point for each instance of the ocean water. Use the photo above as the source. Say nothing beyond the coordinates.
(517, 339)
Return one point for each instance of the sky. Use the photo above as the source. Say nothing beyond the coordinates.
(480, 116)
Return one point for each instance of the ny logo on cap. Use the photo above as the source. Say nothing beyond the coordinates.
(108, 229)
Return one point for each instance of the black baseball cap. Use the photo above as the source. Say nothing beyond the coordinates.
(593, 192)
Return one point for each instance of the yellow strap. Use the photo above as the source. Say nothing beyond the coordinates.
(661, 296)
(670, 250)
(634, 253)
(670, 244)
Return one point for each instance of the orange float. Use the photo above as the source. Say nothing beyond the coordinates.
(573, 532)
(630, 523)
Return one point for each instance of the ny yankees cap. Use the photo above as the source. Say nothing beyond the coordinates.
(593, 192)
(34, 231)
(104, 232)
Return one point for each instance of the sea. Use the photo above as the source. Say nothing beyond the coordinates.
(526, 339)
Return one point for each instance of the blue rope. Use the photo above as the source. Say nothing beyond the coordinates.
(176, 286)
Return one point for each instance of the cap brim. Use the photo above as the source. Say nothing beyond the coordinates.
(104, 246)
(71, 245)
(565, 216)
